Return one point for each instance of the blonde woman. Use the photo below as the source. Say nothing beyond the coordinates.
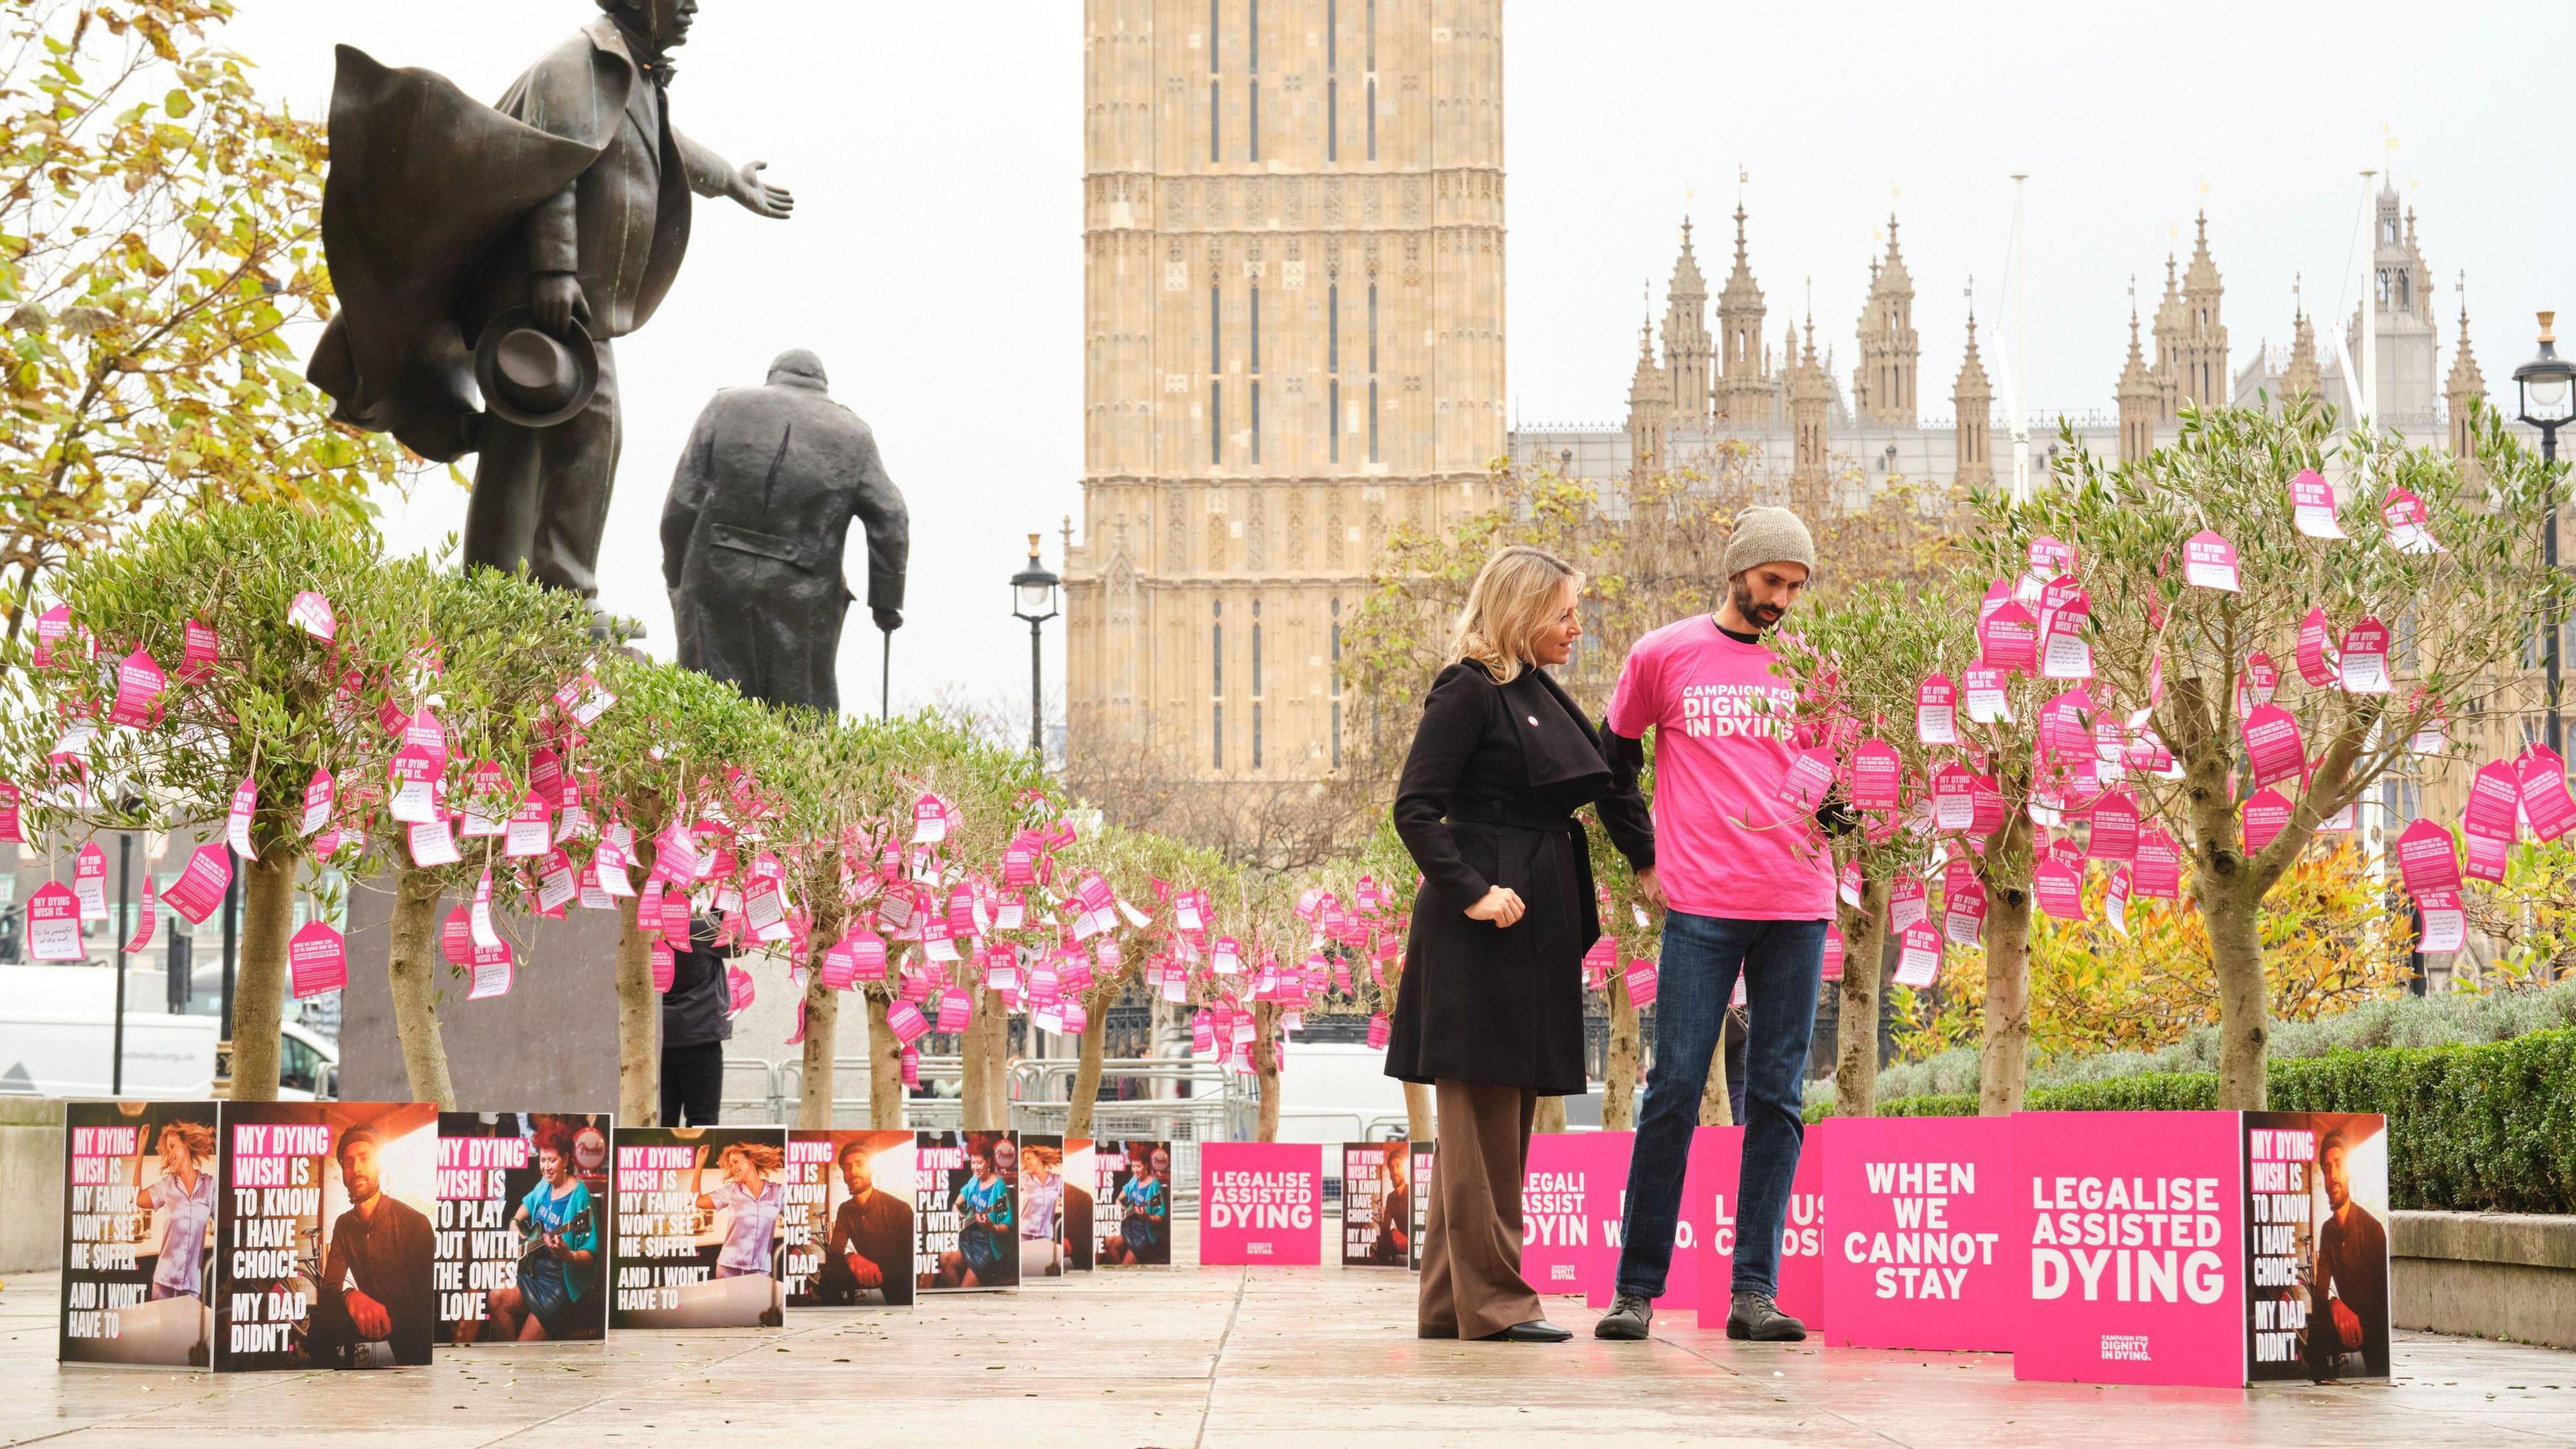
(750, 1190)
(1490, 1009)
(186, 1190)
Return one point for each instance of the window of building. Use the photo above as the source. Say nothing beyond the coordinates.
(1256, 421)
(1372, 420)
(1372, 327)
(1333, 416)
(1372, 117)
(1216, 126)
(1333, 328)
(1216, 421)
(1252, 135)
(1332, 80)
(1256, 684)
(1256, 330)
(1336, 678)
(1216, 683)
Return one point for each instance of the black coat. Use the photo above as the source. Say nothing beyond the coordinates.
(1487, 796)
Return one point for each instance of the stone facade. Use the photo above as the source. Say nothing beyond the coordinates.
(1293, 268)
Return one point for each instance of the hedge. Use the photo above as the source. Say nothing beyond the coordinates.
(2489, 1128)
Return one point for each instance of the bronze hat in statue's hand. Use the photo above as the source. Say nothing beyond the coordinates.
(531, 377)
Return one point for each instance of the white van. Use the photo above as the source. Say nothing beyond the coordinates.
(58, 1039)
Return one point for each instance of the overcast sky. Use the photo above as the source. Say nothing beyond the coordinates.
(935, 258)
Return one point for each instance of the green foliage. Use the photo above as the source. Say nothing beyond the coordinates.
(159, 239)
(2488, 1128)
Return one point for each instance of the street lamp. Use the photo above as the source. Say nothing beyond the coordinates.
(1033, 598)
(2545, 388)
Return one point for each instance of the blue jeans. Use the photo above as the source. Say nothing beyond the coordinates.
(1782, 962)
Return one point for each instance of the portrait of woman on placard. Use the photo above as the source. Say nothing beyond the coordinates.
(185, 1194)
(557, 1294)
(751, 1192)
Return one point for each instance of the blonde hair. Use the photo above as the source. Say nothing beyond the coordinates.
(1514, 596)
(765, 1158)
(197, 1137)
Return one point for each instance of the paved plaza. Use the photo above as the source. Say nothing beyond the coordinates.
(1233, 1357)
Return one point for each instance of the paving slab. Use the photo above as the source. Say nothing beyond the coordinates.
(1229, 1358)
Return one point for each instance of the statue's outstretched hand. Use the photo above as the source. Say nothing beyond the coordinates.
(759, 197)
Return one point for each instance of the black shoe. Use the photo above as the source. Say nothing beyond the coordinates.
(1450, 1332)
(1537, 1330)
(1756, 1317)
(1628, 1319)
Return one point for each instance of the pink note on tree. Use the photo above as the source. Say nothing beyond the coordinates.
(2209, 562)
(1877, 776)
(200, 887)
(2426, 860)
(317, 960)
(2267, 814)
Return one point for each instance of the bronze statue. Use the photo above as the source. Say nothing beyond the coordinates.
(753, 534)
(507, 248)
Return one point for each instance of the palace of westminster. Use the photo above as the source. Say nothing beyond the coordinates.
(1293, 233)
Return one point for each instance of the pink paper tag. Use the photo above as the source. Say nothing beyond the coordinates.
(907, 1022)
(2545, 799)
(665, 963)
(2404, 515)
(2115, 827)
(2488, 857)
(1834, 951)
(1963, 912)
(2426, 859)
(2495, 802)
(89, 881)
(2157, 873)
(433, 844)
(1877, 774)
(317, 960)
(2273, 746)
(2312, 505)
(2364, 667)
(2059, 888)
(1918, 955)
(2319, 670)
(2209, 562)
(2008, 640)
(139, 683)
(1810, 775)
(1642, 980)
(1987, 702)
(1907, 902)
(2267, 814)
(321, 793)
(491, 971)
(312, 613)
(200, 887)
(237, 820)
(738, 983)
(198, 654)
(1936, 711)
(53, 924)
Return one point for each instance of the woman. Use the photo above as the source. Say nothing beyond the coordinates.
(1490, 1009)
(186, 1191)
(755, 1201)
(984, 1206)
(1041, 1200)
(558, 1253)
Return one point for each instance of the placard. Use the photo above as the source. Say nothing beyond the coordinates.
(1712, 1150)
(966, 1212)
(2132, 1226)
(1573, 1195)
(1054, 1203)
(1261, 1202)
(1378, 1204)
(1079, 1228)
(140, 1186)
(848, 1233)
(2316, 1243)
(521, 1227)
(323, 1245)
(1134, 1211)
(695, 1215)
(1801, 1281)
(1922, 1252)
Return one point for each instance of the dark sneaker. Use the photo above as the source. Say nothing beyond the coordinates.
(1628, 1318)
(1756, 1317)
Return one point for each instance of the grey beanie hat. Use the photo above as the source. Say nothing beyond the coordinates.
(1768, 535)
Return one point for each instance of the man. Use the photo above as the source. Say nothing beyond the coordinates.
(375, 1284)
(2348, 1307)
(1746, 888)
(753, 533)
(1393, 1246)
(697, 1020)
(869, 1249)
(573, 203)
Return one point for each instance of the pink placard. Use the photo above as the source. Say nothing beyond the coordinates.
(317, 960)
(2008, 639)
(1717, 1162)
(1261, 1203)
(2426, 859)
(1925, 1250)
(2312, 505)
(2546, 802)
(200, 887)
(2267, 814)
(2165, 1306)
(2209, 562)
(1876, 776)
(2273, 746)
(1572, 1198)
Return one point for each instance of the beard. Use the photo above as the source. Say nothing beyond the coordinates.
(1760, 616)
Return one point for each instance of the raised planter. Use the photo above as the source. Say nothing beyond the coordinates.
(2509, 1276)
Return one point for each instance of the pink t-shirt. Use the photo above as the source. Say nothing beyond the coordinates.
(1725, 843)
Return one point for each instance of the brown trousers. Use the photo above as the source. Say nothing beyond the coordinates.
(1471, 1248)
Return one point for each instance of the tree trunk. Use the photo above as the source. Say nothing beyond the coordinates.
(1715, 1110)
(1619, 1072)
(259, 988)
(1551, 1115)
(1086, 1077)
(1856, 1013)
(984, 1097)
(885, 1068)
(815, 1085)
(2244, 1006)
(412, 963)
(2003, 1071)
(1265, 1068)
(1421, 1122)
(639, 1014)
